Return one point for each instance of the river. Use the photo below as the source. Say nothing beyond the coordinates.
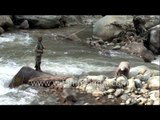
(61, 57)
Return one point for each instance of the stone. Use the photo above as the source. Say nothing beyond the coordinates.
(98, 79)
(138, 83)
(117, 47)
(128, 101)
(110, 96)
(1, 30)
(154, 83)
(111, 83)
(124, 97)
(131, 86)
(118, 92)
(121, 82)
(110, 90)
(97, 93)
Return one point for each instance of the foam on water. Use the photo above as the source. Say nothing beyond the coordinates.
(18, 38)
(70, 66)
(13, 96)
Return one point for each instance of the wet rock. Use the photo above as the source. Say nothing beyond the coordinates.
(124, 97)
(121, 82)
(90, 88)
(154, 83)
(131, 86)
(24, 75)
(138, 83)
(118, 92)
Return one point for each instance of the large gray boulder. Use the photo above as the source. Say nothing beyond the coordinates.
(111, 25)
(24, 75)
(5, 23)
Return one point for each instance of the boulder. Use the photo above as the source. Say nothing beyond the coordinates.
(24, 75)
(5, 22)
(137, 70)
(24, 25)
(147, 55)
(111, 25)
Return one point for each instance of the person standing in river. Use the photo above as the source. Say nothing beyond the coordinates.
(38, 53)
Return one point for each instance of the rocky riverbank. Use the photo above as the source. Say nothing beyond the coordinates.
(141, 88)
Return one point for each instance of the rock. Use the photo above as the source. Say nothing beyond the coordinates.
(24, 25)
(82, 87)
(121, 82)
(71, 82)
(154, 83)
(131, 86)
(97, 93)
(142, 100)
(27, 75)
(110, 96)
(138, 83)
(111, 25)
(91, 87)
(1, 30)
(157, 102)
(147, 55)
(122, 103)
(69, 95)
(110, 90)
(118, 92)
(124, 97)
(137, 70)
(24, 75)
(5, 21)
(98, 79)
(117, 47)
(143, 90)
(143, 78)
(128, 101)
(154, 95)
(149, 102)
(111, 83)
